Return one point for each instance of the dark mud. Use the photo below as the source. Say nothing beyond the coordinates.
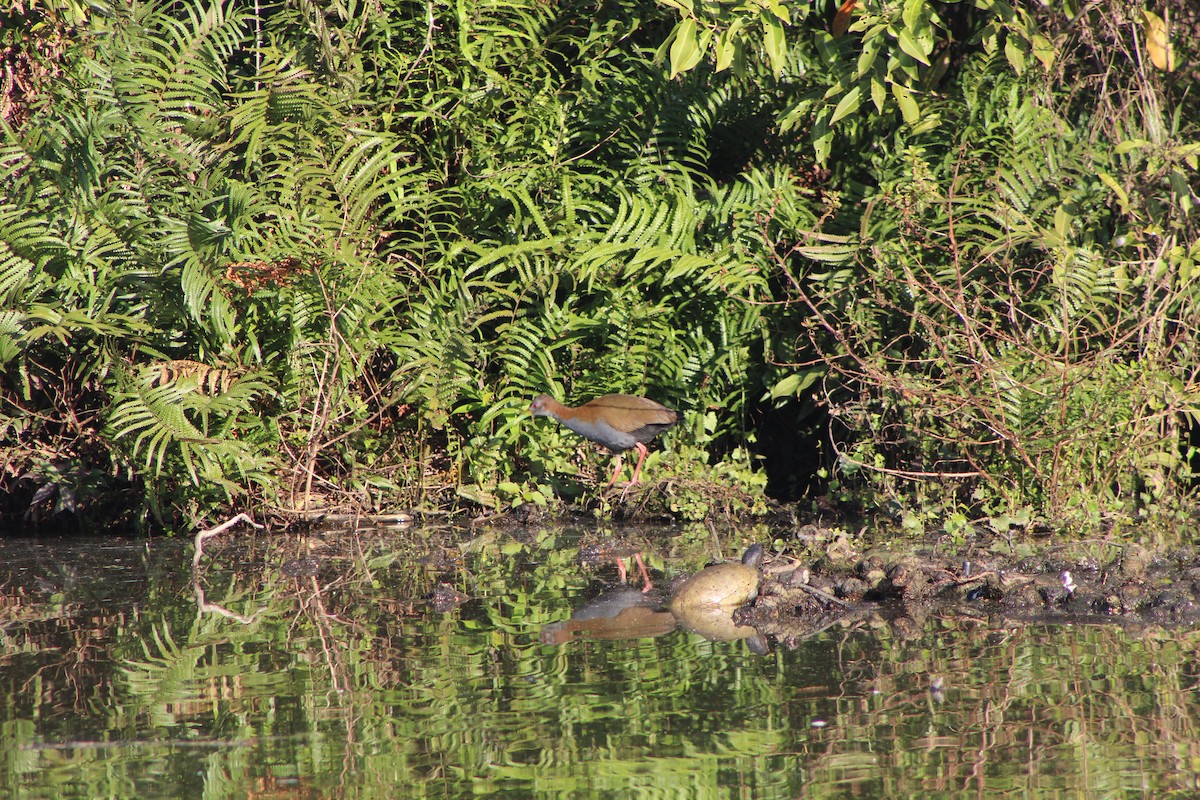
(1078, 583)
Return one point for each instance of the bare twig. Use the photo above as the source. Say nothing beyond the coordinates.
(203, 605)
(203, 536)
(904, 473)
(821, 594)
(201, 601)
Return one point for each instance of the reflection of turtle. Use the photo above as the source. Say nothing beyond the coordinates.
(724, 586)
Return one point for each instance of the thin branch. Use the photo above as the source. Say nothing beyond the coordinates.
(203, 536)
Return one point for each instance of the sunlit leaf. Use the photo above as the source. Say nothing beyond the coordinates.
(913, 15)
(775, 42)
(822, 137)
(1129, 145)
(847, 105)
(878, 93)
(866, 59)
(1183, 190)
(1158, 42)
(908, 104)
(1043, 50)
(726, 48)
(1015, 55)
(795, 384)
(928, 122)
(910, 45)
(685, 51)
(1111, 183)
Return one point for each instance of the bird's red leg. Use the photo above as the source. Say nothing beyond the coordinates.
(647, 586)
(616, 469)
(623, 572)
(642, 451)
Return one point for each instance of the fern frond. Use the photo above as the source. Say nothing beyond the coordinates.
(158, 419)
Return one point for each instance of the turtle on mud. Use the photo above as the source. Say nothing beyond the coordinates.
(725, 586)
(707, 602)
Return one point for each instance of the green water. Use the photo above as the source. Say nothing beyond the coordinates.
(337, 679)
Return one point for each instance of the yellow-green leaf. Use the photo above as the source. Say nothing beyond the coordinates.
(1015, 56)
(866, 59)
(726, 48)
(775, 42)
(1043, 50)
(1129, 145)
(989, 39)
(1158, 42)
(1062, 221)
(822, 137)
(911, 46)
(705, 42)
(793, 385)
(478, 495)
(1111, 183)
(878, 93)
(740, 66)
(685, 53)
(822, 146)
(908, 104)
(1183, 190)
(928, 122)
(913, 12)
(847, 105)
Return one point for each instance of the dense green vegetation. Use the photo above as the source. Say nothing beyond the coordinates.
(287, 256)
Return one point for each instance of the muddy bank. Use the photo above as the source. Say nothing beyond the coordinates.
(1073, 583)
(811, 578)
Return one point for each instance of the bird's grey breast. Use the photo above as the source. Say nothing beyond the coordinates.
(602, 433)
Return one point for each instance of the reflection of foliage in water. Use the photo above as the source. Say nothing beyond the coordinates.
(345, 679)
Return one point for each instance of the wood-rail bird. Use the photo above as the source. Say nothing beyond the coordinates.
(617, 421)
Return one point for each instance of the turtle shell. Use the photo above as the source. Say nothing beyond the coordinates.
(724, 586)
